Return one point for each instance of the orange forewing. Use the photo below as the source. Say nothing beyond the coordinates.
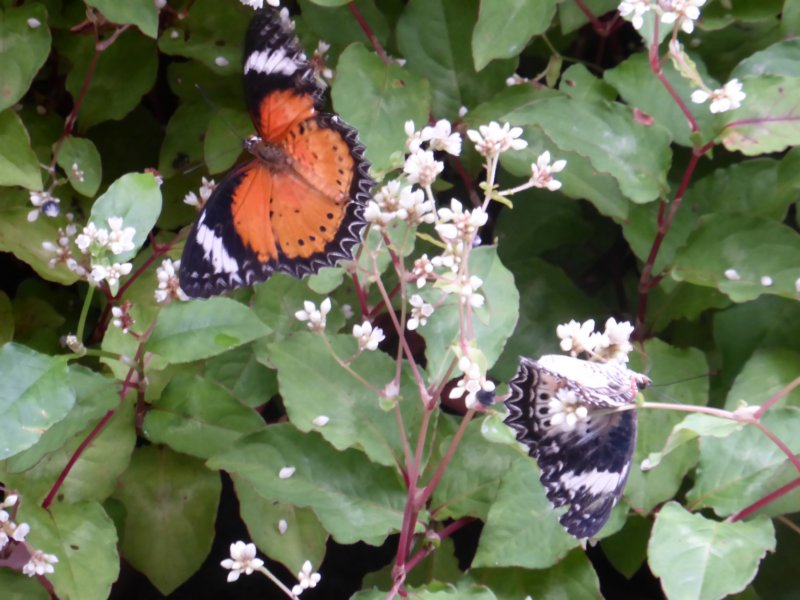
(281, 111)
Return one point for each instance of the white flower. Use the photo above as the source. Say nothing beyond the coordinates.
(221, 61)
(90, 234)
(207, 186)
(19, 532)
(618, 337)
(77, 172)
(422, 168)
(728, 97)
(472, 383)
(72, 342)
(286, 472)
(516, 79)
(34, 23)
(39, 564)
(542, 172)
(121, 318)
(169, 285)
(732, 275)
(315, 318)
(414, 208)
(451, 257)
(386, 204)
(257, 4)
(120, 239)
(420, 311)
(577, 337)
(44, 203)
(282, 526)
(423, 269)
(413, 137)
(368, 338)
(8, 502)
(566, 410)
(306, 579)
(467, 289)
(685, 12)
(115, 272)
(243, 560)
(492, 139)
(321, 421)
(462, 111)
(766, 281)
(457, 224)
(441, 137)
(638, 8)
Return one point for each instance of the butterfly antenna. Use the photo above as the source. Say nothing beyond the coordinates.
(709, 375)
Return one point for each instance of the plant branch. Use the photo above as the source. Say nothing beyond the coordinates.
(368, 32)
(762, 502)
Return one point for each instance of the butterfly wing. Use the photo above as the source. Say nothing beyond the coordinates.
(299, 206)
(584, 466)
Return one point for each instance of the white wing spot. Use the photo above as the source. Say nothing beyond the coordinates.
(269, 62)
(595, 482)
(214, 250)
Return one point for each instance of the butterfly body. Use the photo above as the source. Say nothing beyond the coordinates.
(566, 411)
(298, 205)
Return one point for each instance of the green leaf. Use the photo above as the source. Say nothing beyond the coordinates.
(356, 419)
(81, 153)
(434, 36)
(604, 132)
(304, 538)
(198, 418)
(136, 198)
(24, 47)
(767, 121)
(18, 163)
(698, 558)
(471, 481)
(17, 586)
(640, 88)
(212, 33)
(766, 373)
(115, 71)
(142, 13)
(522, 529)
(790, 18)
(240, 373)
(492, 323)
(504, 28)
(332, 21)
(170, 502)
(353, 498)
(222, 144)
(94, 475)
(193, 330)
(435, 590)
(742, 468)
(778, 59)
(572, 577)
(578, 82)
(378, 99)
(627, 548)
(84, 539)
(772, 322)
(754, 247)
(669, 366)
(692, 427)
(36, 393)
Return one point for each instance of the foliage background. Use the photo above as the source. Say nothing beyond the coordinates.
(220, 375)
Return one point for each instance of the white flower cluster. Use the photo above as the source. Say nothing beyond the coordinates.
(566, 410)
(458, 229)
(581, 338)
(367, 336)
(315, 317)
(681, 12)
(99, 246)
(420, 311)
(395, 201)
(728, 97)
(39, 563)
(493, 139)
(243, 560)
(542, 172)
(43, 203)
(169, 285)
(306, 579)
(472, 383)
(121, 317)
(206, 187)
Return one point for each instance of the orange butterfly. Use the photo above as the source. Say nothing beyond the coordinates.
(298, 206)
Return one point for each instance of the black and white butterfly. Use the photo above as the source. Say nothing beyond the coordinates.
(561, 409)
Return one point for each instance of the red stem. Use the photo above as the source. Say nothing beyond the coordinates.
(761, 503)
(443, 534)
(597, 25)
(368, 31)
(775, 398)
